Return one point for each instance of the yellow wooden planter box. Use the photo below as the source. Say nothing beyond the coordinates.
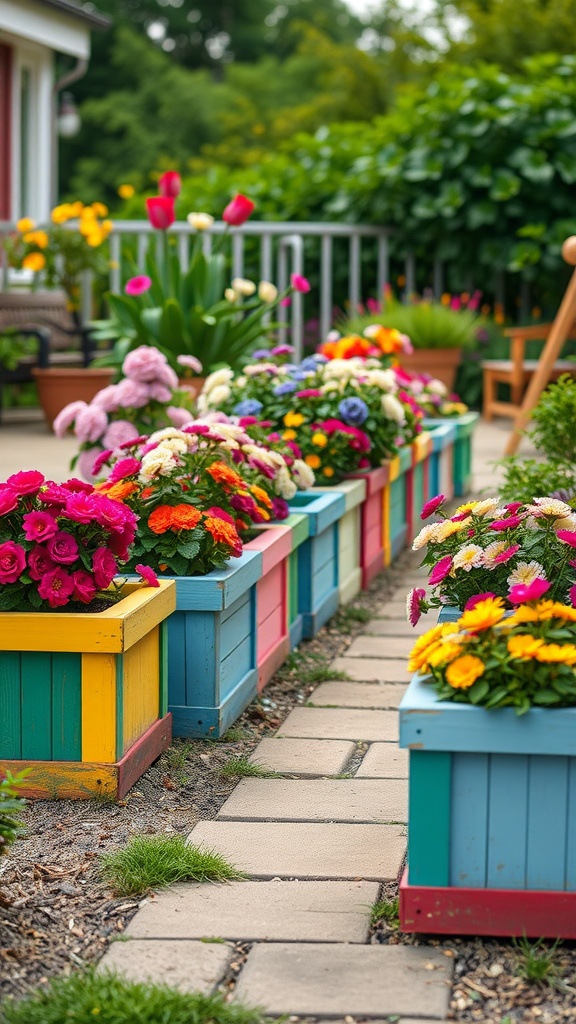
(83, 696)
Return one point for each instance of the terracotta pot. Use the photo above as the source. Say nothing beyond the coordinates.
(194, 384)
(57, 387)
(438, 362)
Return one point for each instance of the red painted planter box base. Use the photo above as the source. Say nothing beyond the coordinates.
(455, 911)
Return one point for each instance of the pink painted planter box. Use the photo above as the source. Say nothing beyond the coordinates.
(372, 545)
(418, 482)
(272, 634)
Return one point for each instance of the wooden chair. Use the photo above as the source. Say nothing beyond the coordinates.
(517, 371)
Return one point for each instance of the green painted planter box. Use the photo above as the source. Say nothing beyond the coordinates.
(462, 449)
(349, 537)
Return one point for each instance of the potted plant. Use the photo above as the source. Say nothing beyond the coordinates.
(82, 701)
(489, 721)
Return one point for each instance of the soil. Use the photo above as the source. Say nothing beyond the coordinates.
(56, 915)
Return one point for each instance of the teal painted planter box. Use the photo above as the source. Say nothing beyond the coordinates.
(492, 795)
(299, 524)
(396, 505)
(212, 647)
(318, 595)
(349, 537)
(442, 458)
(462, 449)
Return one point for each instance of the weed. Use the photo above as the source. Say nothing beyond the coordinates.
(240, 767)
(151, 862)
(176, 759)
(352, 613)
(237, 735)
(107, 998)
(385, 910)
(536, 961)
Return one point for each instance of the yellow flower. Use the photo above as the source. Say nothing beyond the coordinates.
(76, 208)
(25, 224)
(313, 461)
(447, 528)
(328, 471)
(523, 645)
(34, 261)
(289, 435)
(60, 214)
(293, 419)
(39, 238)
(464, 671)
(523, 614)
(95, 238)
(484, 615)
(468, 508)
(555, 610)
(424, 644)
(443, 653)
(563, 653)
(319, 439)
(107, 226)
(468, 557)
(100, 209)
(126, 191)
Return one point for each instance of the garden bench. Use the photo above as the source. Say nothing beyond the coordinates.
(517, 371)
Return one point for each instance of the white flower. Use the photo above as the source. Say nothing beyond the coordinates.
(384, 379)
(481, 508)
(156, 463)
(230, 295)
(284, 484)
(526, 572)
(242, 286)
(174, 445)
(393, 409)
(268, 369)
(302, 474)
(333, 335)
(220, 394)
(371, 330)
(267, 292)
(223, 376)
(550, 507)
(566, 523)
(427, 533)
(437, 388)
(468, 557)
(200, 221)
(416, 387)
(168, 432)
(494, 549)
(202, 403)
(338, 369)
(330, 385)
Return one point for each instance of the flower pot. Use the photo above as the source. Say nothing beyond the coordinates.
(318, 595)
(441, 363)
(57, 387)
(492, 818)
(194, 384)
(83, 695)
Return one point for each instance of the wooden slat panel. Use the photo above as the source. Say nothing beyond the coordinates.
(176, 626)
(221, 588)
(547, 823)
(36, 706)
(235, 624)
(141, 687)
(571, 827)
(66, 707)
(202, 660)
(10, 705)
(469, 820)
(507, 822)
(99, 708)
(429, 818)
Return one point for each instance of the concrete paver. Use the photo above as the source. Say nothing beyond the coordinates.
(341, 723)
(391, 610)
(384, 761)
(303, 757)
(260, 911)
(379, 647)
(395, 627)
(370, 670)
(364, 800)
(323, 980)
(357, 695)
(186, 965)
(268, 849)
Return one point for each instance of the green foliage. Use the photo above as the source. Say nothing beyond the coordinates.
(525, 479)
(241, 767)
(428, 324)
(387, 910)
(151, 862)
(14, 347)
(88, 996)
(11, 807)
(536, 961)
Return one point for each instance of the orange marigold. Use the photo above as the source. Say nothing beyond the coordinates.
(123, 489)
(222, 532)
(185, 517)
(223, 474)
(160, 520)
(261, 496)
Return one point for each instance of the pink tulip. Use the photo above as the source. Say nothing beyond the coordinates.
(138, 285)
(170, 184)
(161, 211)
(299, 283)
(238, 210)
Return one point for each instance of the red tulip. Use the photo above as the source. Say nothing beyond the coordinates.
(161, 211)
(170, 184)
(238, 210)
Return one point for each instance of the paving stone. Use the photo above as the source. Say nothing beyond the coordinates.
(379, 647)
(391, 610)
(303, 757)
(260, 911)
(370, 670)
(341, 723)
(186, 965)
(384, 761)
(395, 627)
(327, 980)
(268, 849)
(357, 695)
(377, 800)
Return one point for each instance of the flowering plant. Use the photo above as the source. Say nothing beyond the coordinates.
(383, 343)
(343, 414)
(432, 395)
(510, 552)
(196, 490)
(147, 398)
(449, 323)
(60, 544)
(498, 661)
(62, 253)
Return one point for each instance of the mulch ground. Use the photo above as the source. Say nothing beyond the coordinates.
(56, 915)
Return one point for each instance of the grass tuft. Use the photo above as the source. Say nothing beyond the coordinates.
(536, 961)
(323, 674)
(385, 910)
(236, 735)
(352, 613)
(240, 767)
(152, 862)
(108, 999)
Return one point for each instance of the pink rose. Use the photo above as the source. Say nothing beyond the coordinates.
(84, 586)
(81, 508)
(39, 526)
(39, 563)
(63, 548)
(12, 561)
(112, 514)
(76, 486)
(26, 482)
(104, 567)
(56, 587)
(54, 495)
(91, 423)
(8, 499)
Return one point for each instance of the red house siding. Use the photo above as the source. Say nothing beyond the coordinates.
(5, 133)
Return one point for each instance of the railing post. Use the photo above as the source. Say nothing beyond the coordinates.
(383, 264)
(325, 286)
(354, 273)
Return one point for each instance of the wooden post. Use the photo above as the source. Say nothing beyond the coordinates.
(559, 332)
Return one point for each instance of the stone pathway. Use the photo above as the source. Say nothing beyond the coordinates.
(316, 843)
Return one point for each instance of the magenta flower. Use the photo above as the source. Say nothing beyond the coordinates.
(513, 506)
(505, 524)
(432, 506)
(39, 526)
(440, 570)
(81, 508)
(280, 509)
(12, 561)
(66, 417)
(282, 350)
(299, 283)
(56, 587)
(148, 575)
(99, 461)
(112, 514)
(63, 548)
(506, 555)
(238, 210)
(104, 567)
(568, 536)
(8, 499)
(473, 601)
(309, 393)
(523, 592)
(572, 595)
(84, 586)
(243, 503)
(54, 495)
(39, 563)
(138, 285)
(415, 605)
(124, 468)
(28, 481)
(76, 486)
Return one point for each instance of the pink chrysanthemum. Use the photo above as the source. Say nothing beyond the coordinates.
(506, 555)
(505, 524)
(568, 536)
(440, 570)
(523, 592)
(415, 605)
(124, 468)
(432, 506)
(66, 417)
(148, 575)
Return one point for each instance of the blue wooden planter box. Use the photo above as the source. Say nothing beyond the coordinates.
(492, 817)
(396, 505)
(350, 537)
(462, 449)
(318, 596)
(442, 458)
(212, 653)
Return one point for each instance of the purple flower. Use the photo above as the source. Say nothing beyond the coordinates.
(280, 508)
(261, 353)
(285, 388)
(353, 411)
(132, 394)
(107, 399)
(178, 416)
(282, 350)
(63, 548)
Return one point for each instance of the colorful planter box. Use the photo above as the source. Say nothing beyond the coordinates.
(492, 818)
(272, 638)
(462, 449)
(442, 458)
(372, 521)
(83, 697)
(212, 647)
(418, 482)
(299, 524)
(318, 557)
(349, 537)
(395, 506)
